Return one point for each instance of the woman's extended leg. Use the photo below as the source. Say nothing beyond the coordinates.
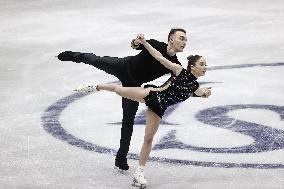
(152, 125)
(132, 93)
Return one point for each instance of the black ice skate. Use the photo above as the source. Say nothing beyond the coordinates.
(66, 56)
(121, 165)
(70, 56)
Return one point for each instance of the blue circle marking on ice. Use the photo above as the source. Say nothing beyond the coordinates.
(266, 138)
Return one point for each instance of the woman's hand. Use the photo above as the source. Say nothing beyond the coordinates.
(203, 92)
(140, 39)
(206, 92)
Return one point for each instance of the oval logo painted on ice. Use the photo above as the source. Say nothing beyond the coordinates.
(263, 137)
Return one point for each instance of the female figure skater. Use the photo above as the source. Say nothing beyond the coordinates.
(182, 84)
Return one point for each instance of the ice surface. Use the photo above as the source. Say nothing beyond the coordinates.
(236, 34)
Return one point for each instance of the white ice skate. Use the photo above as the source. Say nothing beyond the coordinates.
(89, 87)
(139, 179)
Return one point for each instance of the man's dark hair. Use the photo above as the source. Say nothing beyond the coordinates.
(174, 30)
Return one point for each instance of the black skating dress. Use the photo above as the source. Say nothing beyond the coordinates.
(180, 89)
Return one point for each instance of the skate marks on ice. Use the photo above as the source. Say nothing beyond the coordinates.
(265, 138)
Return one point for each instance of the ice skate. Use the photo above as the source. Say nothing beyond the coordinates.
(121, 165)
(67, 55)
(120, 170)
(87, 88)
(139, 179)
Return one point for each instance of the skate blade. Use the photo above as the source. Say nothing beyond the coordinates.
(138, 185)
(120, 170)
(84, 90)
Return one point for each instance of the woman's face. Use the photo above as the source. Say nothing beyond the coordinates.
(200, 67)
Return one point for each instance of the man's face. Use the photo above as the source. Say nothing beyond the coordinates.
(178, 41)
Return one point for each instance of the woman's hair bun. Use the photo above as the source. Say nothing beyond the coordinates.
(189, 57)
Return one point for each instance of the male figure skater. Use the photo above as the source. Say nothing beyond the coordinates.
(133, 71)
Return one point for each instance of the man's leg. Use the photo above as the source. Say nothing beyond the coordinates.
(116, 67)
(111, 65)
(129, 111)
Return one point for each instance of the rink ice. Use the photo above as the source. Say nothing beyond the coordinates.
(226, 33)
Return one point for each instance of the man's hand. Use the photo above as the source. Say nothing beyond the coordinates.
(206, 92)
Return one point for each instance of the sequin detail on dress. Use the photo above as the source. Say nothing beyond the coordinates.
(180, 89)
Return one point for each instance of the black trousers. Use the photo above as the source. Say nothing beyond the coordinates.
(118, 67)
